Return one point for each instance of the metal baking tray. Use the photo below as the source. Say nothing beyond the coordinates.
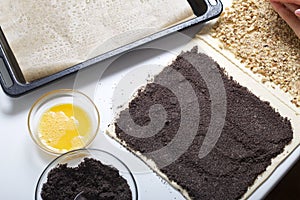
(14, 84)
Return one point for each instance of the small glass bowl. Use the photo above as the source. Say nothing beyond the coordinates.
(57, 97)
(73, 158)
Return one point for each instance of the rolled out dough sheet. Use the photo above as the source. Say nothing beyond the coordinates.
(48, 36)
(254, 85)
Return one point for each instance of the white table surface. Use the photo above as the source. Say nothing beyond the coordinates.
(22, 162)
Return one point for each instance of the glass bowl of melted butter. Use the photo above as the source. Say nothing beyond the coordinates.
(63, 120)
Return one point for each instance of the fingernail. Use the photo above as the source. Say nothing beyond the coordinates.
(297, 12)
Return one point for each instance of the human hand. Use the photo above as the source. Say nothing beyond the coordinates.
(289, 10)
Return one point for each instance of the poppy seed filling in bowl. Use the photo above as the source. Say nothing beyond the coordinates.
(91, 178)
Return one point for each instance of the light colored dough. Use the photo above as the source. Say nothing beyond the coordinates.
(50, 35)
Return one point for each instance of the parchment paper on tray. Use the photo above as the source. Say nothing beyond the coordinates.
(50, 35)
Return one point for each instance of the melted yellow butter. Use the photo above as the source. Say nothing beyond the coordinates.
(64, 127)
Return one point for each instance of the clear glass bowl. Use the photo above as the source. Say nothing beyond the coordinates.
(59, 97)
(73, 158)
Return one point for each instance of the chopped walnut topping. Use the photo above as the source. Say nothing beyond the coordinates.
(261, 40)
